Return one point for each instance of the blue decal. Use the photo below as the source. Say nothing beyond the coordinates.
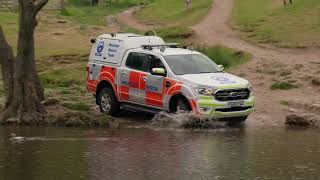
(223, 80)
(100, 47)
(152, 88)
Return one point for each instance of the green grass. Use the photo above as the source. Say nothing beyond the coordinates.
(225, 56)
(8, 21)
(283, 85)
(174, 12)
(296, 25)
(80, 106)
(85, 14)
(64, 77)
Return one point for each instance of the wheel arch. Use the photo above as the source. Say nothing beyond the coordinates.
(174, 99)
(104, 84)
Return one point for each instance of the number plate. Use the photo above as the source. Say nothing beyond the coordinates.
(235, 104)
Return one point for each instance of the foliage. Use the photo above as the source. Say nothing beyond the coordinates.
(283, 85)
(224, 56)
(284, 103)
(175, 32)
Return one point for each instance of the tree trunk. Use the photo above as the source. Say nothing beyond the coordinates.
(62, 4)
(7, 62)
(27, 89)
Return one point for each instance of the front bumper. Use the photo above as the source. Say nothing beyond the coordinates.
(208, 106)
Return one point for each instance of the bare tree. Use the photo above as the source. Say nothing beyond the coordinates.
(21, 81)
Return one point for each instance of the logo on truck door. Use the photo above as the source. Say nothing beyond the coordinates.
(100, 48)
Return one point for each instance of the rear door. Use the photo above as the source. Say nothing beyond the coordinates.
(135, 66)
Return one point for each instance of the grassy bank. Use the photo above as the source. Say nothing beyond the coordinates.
(82, 12)
(174, 13)
(296, 25)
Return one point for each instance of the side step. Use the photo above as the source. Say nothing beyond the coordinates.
(136, 108)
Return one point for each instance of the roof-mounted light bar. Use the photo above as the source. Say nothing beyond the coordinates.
(170, 45)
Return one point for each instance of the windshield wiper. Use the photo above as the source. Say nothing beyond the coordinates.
(206, 72)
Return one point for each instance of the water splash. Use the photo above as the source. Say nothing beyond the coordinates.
(185, 120)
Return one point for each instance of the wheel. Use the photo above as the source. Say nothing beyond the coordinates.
(108, 102)
(182, 106)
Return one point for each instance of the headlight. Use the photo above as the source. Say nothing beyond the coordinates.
(205, 91)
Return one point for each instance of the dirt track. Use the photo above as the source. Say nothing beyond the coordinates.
(267, 66)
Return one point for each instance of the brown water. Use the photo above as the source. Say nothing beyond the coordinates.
(139, 153)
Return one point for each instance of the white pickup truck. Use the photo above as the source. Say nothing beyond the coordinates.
(143, 73)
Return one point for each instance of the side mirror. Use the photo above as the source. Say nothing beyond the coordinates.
(93, 41)
(158, 71)
(221, 67)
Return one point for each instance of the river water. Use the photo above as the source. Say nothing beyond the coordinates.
(140, 152)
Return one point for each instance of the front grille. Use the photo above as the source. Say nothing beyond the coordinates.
(232, 94)
(234, 109)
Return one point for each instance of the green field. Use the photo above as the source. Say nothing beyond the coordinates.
(174, 13)
(296, 25)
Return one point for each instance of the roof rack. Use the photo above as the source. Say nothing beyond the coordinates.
(170, 45)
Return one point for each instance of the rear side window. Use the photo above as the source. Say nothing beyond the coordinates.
(138, 61)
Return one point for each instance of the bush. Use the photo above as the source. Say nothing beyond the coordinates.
(225, 56)
(283, 85)
(284, 103)
(174, 32)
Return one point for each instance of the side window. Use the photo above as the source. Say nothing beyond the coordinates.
(138, 61)
(155, 62)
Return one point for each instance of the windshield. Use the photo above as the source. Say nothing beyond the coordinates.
(191, 64)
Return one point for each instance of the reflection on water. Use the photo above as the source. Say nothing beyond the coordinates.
(145, 153)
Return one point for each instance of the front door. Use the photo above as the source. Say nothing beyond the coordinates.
(154, 88)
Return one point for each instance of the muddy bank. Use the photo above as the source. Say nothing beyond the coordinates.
(60, 116)
(303, 114)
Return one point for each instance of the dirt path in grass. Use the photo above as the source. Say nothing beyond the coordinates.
(127, 18)
(269, 64)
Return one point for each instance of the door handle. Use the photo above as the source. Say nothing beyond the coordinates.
(145, 78)
(124, 73)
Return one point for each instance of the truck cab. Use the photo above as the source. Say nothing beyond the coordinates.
(143, 73)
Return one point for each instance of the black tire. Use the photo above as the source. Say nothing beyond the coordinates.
(108, 102)
(182, 105)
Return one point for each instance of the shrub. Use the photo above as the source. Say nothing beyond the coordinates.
(225, 56)
(285, 103)
(283, 86)
(175, 32)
